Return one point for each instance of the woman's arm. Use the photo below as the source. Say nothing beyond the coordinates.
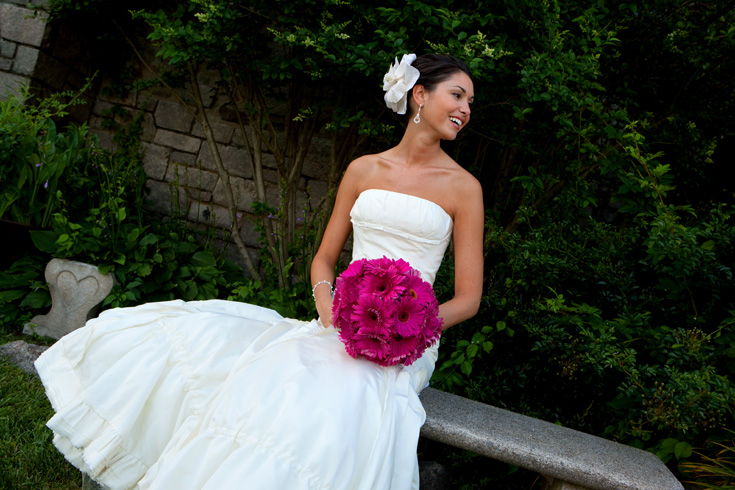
(469, 223)
(335, 236)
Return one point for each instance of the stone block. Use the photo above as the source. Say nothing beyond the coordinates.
(147, 101)
(102, 108)
(237, 138)
(271, 176)
(316, 163)
(22, 355)
(210, 214)
(105, 137)
(191, 177)
(269, 161)
(76, 291)
(96, 122)
(222, 132)
(10, 84)
(7, 49)
(22, 25)
(235, 160)
(317, 191)
(166, 199)
(149, 128)
(155, 160)
(53, 72)
(243, 191)
(25, 60)
(174, 116)
(177, 141)
(209, 94)
(6, 64)
(273, 195)
(184, 158)
(249, 236)
(198, 195)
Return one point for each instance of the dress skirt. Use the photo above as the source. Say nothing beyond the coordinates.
(221, 395)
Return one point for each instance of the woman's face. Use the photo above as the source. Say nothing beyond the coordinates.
(447, 107)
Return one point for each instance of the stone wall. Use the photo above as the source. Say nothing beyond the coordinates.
(21, 37)
(182, 176)
(183, 179)
(46, 56)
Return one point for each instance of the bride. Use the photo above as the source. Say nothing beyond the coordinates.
(224, 395)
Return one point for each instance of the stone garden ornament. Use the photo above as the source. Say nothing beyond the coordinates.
(76, 290)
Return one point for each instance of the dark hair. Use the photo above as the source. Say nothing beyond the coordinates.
(435, 68)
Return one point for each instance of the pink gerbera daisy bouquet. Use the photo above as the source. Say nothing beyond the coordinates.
(385, 312)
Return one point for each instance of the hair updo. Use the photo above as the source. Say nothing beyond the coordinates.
(435, 68)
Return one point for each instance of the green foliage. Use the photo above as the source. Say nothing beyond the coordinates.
(150, 262)
(637, 328)
(34, 156)
(23, 290)
(716, 471)
(102, 222)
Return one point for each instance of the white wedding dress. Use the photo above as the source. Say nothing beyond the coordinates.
(221, 395)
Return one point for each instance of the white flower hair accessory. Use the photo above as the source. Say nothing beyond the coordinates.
(401, 78)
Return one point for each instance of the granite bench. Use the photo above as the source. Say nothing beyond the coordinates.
(568, 459)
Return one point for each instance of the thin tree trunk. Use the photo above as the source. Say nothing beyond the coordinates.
(223, 175)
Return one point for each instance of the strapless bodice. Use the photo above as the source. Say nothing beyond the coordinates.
(396, 225)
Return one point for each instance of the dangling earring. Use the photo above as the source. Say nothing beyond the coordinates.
(417, 119)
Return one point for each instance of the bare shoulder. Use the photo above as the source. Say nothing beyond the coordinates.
(362, 170)
(465, 190)
(359, 171)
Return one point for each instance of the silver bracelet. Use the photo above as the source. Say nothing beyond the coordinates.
(313, 290)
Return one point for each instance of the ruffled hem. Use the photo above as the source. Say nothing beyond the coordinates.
(85, 439)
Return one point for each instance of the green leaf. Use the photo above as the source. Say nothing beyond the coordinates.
(145, 270)
(45, 240)
(10, 296)
(472, 350)
(204, 259)
(466, 368)
(149, 239)
(37, 300)
(682, 450)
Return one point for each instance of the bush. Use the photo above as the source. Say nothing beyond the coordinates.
(621, 331)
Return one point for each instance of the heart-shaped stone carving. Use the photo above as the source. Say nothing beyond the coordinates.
(73, 292)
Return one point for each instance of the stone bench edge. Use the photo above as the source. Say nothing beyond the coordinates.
(541, 446)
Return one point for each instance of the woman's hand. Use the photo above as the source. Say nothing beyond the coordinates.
(324, 304)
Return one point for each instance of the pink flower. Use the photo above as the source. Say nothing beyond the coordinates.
(387, 286)
(376, 348)
(409, 317)
(385, 312)
(369, 313)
